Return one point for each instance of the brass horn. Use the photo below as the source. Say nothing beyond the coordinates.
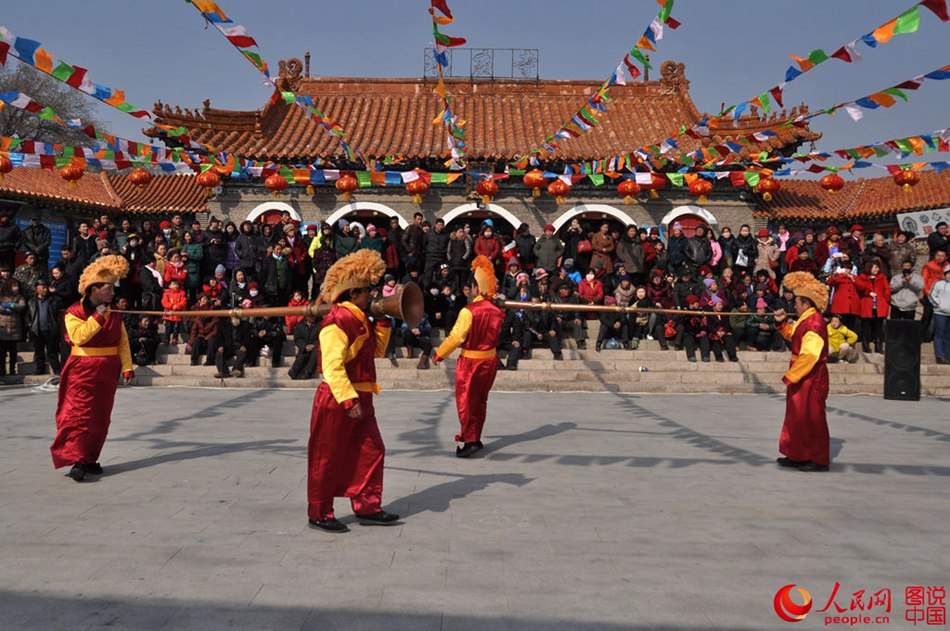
(406, 304)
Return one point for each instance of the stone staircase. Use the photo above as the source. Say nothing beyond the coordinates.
(647, 369)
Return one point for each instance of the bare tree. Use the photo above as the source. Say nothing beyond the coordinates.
(67, 102)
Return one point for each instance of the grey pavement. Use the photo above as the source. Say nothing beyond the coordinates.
(587, 511)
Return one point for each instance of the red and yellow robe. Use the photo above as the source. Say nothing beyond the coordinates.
(476, 331)
(100, 352)
(344, 454)
(805, 434)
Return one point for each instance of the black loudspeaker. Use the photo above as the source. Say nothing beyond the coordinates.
(902, 360)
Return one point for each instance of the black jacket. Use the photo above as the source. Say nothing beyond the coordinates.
(436, 246)
(53, 317)
(306, 334)
(36, 239)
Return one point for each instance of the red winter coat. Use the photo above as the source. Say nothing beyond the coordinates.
(846, 300)
(175, 273)
(174, 300)
(490, 247)
(591, 292)
(879, 285)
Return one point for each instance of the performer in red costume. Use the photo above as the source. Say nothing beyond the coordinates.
(345, 452)
(476, 331)
(805, 442)
(100, 352)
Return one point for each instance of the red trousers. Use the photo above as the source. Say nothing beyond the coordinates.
(473, 382)
(344, 457)
(805, 434)
(86, 393)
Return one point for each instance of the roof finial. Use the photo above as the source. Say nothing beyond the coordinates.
(306, 60)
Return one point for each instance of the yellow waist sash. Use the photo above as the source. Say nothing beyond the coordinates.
(478, 354)
(95, 351)
(366, 386)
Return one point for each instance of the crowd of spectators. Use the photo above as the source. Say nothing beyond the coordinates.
(726, 285)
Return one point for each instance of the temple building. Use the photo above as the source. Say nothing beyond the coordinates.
(389, 121)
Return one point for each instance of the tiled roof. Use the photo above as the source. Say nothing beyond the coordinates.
(806, 200)
(92, 190)
(165, 193)
(505, 119)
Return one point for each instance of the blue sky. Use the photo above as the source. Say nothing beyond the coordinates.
(732, 50)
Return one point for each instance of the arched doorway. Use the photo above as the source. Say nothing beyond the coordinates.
(366, 213)
(688, 217)
(505, 222)
(594, 215)
(269, 213)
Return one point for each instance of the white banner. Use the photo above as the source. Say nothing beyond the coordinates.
(922, 223)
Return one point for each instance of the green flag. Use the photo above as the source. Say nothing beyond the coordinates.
(908, 21)
(363, 178)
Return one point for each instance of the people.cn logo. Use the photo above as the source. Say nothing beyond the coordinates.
(787, 609)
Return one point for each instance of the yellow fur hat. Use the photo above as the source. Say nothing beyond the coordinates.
(106, 269)
(485, 276)
(359, 269)
(804, 284)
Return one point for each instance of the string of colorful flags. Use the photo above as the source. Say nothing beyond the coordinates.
(239, 37)
(905, 23)
(590, 114)
(454, 126)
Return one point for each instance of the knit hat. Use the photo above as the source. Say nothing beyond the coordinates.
(705, 270)
(857, 227)
(809, 231)
(219, 269)
(804, 284)
(715, 300)
(692, 300)
(549, 227)
(677, 226)
(489, 223)
(513, 261)
(761, 304)
(796, 237)
(610, 301)
(708, 282)
(540, 273)
(370, 228)
(568, 263)
(763, 232)
(443, 266)
(657, 272)
(343, 223)
(359, 269)
(165, 224)
(311, 226)
(521, 276)
(654, 232)
(252, 285)
(624, 277)
(831, 230)
(105, 269)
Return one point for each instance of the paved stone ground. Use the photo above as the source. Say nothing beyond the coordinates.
(587, 511)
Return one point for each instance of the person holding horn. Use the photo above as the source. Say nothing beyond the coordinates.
(100, 354)
(345, 452)
(805, 443)
(476, 330)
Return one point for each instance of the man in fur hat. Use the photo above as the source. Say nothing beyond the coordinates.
(476, 330)
(805, 441)
(345, 452)
(100, 353)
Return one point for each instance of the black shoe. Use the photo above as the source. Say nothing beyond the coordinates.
(95, 468)
(733, 359)
(328, 525)
(381, 518)
(582, 345)
(468, 450)
(811, 466)
(788, 462)
(511, 366)
(78, 472)
(597, 347)
(559, 358)
(692, 359)
(706, 358)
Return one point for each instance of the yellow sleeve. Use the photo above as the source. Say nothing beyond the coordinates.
(383, 334)
(808, 356)
(786, 330)
(333, 345)
(125, 353)
(81, 331)
(459, 332)
(849, 336)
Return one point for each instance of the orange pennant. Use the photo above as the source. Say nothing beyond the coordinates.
(885, 32)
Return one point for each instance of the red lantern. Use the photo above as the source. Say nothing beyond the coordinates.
(768, 187)
(141, 178)
(832, 183)
(417, 188)
(275, 184)
(72, 174)
(5, 166)
(700, 188)
(346, 185)
(907, 178)
(535, 180)
(487, 189)
(559, 189)
(629, 189)
(208, 180)
(657, 181)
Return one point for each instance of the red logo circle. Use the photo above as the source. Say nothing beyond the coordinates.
(787, 609)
